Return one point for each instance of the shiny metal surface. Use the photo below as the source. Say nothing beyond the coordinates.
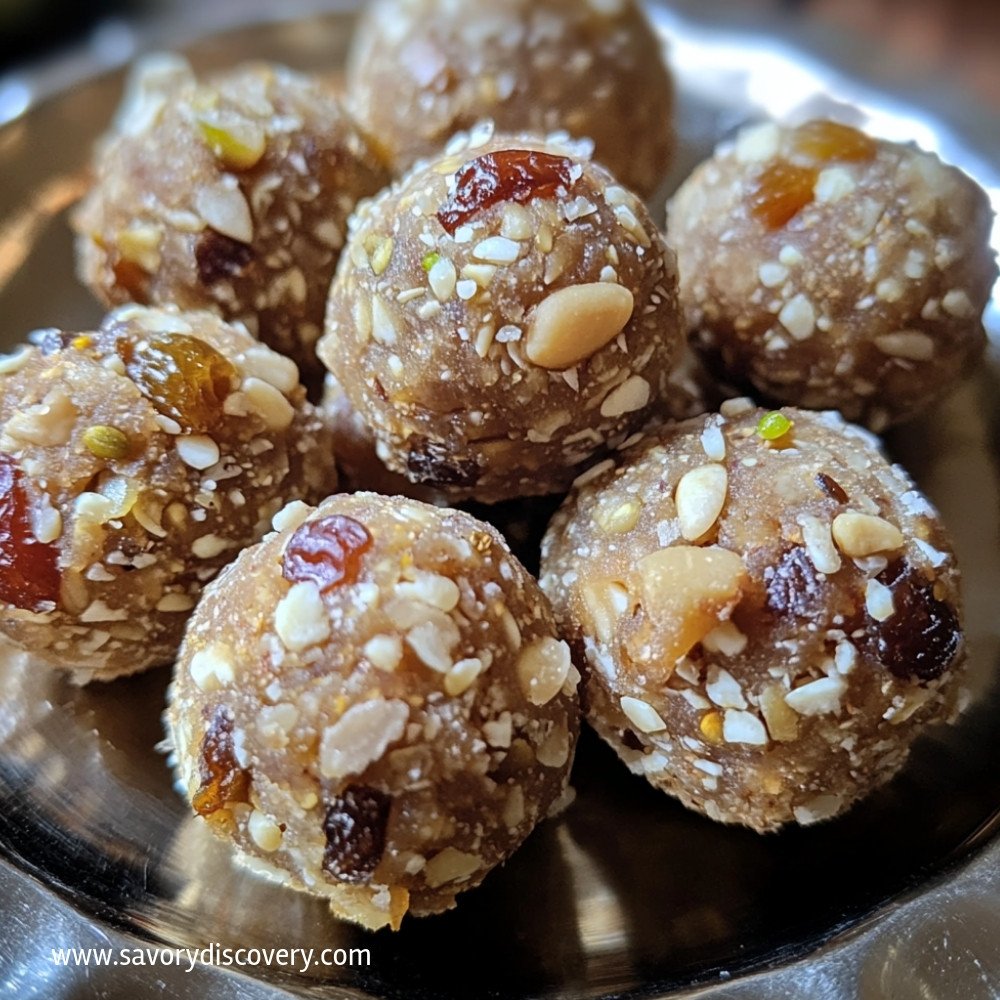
(627, 893)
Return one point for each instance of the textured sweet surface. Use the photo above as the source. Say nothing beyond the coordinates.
(502, 315)
(768, 612)
(421, 70)
(830, 270)
(140, 459)
(373, 705)
(229, 194)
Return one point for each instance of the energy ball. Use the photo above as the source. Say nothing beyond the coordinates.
(135, 461)
(421, 70)
(502, 315)
(768, 612)
(231, 195)
(373, 705)
(829, 269)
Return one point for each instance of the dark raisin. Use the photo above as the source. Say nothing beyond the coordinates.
(223, 781)
(923, 635)
(326, 552)
(29, 571)
(831, 487)
(430, 462)
(219, 257)
(355, 826)
(793, 585)
(519, 175)
(631, 740)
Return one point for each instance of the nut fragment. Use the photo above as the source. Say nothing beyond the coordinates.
(237, 142)
(782, 722)
(542, 669)
(606, 601)
(573, 323)
(700, 497)
(687, 590)
(642, 715)
(859, 535)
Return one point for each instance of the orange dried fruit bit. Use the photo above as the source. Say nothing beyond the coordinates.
(781, 192)
(29, 574)
(183, 377)
(519, 175)
(223, 781)
(355, 826)
(825, 140)
(326, 552)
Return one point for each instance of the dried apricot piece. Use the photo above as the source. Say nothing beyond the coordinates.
(182, 376)
(519, 175)
(326, 552)
(29, 574)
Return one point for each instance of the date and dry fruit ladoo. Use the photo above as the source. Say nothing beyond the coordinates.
(231, 194)
(767, 610)
(502, 315)
(421, 70)
(828, 269)
(135, 461)
(373, 705)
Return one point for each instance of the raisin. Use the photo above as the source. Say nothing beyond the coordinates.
(781, 192)
(223, 781)
(183, 377)
(326, 552)
(29, 573)
(133, 280)
(430, 462)
(923, 635)
(632, 741)
(519, 175)
(793, 586)
(831, 487)
(355, 826)
(219, 257)
(825, 140)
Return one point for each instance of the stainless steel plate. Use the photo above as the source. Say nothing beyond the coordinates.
(627, 893)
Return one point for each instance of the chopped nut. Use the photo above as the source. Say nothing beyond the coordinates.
(542, 669)
(633, 394)
(382, 255)
(442, 278)
(462, 676)
(497, 250)
(816, 535)
(858, 535)
(724, 689)
(212, 667)
(360, 737)
(264, 832)
(433, 638)
(817, 697)
(743, 727)
(450, 865)
(618, 518)
(225, 209)
(606, 601)
(817, 809)
(237, 142)
(798, 317)
(573, 323)
(687, 590)
(384, 652)
(197, 451)
(431, 588)
(265, 400)
(878, 601)
(726, 639)
(301, 619)
(642, 715)
(913, 345)
(782, 722)
(700, 497)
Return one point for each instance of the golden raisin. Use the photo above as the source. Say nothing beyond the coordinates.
(326, 552)
(825, 140)
(29, 573)
(133, 280)
(183, 377)
(223, 781)
(781, 192)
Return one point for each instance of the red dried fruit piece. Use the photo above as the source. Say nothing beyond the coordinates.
(183, 377)
(326, 552)
(922, 637)
(519, 175)
(355, 826)
(29, 574)
(825, 140)
(223, 781)
(781, 191)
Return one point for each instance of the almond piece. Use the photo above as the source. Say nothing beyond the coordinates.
(859, 535)
(700, 497)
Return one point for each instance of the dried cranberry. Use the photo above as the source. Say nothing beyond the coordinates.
(793, 585)
(29, 573)
(355, 826)
(223, 781)
(219, 257)
(923, 635)
(326, 552)
(519, 175)
(831, 487)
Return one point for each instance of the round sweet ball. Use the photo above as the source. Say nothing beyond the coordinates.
(136, 461)
(373, 705)
(230, 194)
(502, 315)
(767, 611)
(421, 70)
(829, 269)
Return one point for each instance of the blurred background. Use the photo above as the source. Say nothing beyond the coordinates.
(954, 39)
